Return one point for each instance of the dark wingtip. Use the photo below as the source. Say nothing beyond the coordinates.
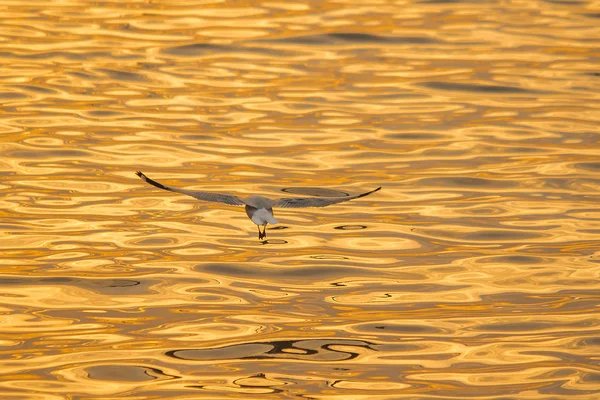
(368, 193)
(373, 191)
(151, 181)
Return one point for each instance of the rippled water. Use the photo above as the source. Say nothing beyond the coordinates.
(473, 273)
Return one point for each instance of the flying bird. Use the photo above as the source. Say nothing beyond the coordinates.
(258, 208)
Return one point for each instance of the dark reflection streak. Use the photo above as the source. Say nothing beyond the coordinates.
(171, 353)
(279, 347)
(259, 376)
(276, 241)
(159, 372)
(351, 355)
(335, 383)
(135, 283)
(306, 396)
(477, 88)
(113, 283)
(199, 49)
(329, 258)
(350, 227)
(241, 386)
(127, 373)
(351, 38)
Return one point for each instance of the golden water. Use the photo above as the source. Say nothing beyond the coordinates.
(473, 273)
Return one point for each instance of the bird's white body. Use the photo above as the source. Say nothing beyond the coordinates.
(258, 208)
(262, 216)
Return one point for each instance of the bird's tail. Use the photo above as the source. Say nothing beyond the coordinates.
(272, 220)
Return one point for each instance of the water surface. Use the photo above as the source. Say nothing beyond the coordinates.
(473, 273)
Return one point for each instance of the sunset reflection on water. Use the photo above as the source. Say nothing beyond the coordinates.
(473, 273)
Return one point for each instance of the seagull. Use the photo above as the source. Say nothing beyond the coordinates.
(258, 208)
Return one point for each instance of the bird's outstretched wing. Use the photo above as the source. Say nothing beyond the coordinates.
(216, 197)
(301, 202)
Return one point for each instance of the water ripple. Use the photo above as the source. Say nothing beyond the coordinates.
(473, 272)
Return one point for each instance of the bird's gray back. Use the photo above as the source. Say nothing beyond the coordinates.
(259, 202)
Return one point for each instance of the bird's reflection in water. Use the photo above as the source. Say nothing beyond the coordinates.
(274, 241)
